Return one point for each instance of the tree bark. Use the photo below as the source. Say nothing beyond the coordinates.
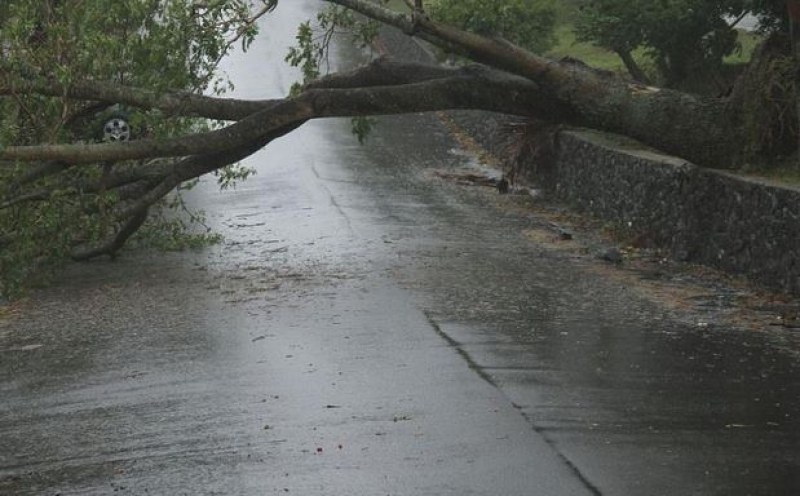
(633, 68)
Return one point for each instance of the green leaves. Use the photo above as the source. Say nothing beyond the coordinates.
(156, 44)
(311, 52)
(361, 127)
(308, 52)
(681, 36)
(528, 23)
(229, 176)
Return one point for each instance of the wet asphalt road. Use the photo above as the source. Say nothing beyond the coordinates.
(367, 328)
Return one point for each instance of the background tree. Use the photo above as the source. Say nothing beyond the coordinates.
(528, 23)
(683, 37)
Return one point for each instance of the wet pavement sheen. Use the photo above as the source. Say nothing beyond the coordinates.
(367, 328)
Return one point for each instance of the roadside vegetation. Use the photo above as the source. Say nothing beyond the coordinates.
(51, 212)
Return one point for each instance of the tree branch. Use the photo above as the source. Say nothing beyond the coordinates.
(381, 72)
(472, 87)
(172, 102)
(385, 71)
(115, 242)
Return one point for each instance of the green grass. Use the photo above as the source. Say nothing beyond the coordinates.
(568, 46)
(785, 171)
(398, 5)
(749, 41)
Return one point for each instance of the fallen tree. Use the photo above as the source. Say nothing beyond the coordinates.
(118, 182)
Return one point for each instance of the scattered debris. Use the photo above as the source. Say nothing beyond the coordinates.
(612, 255)
(563, 233)
(789, 319)
(470, 178)
(502, 186)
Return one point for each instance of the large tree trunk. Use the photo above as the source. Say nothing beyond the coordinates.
(765, 97)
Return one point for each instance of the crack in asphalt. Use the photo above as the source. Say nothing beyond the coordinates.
(472, 364)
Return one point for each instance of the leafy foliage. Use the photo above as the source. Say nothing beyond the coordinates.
(156, 44)
(311, 52)
(174, 227)
(682, 36)
(528, 23)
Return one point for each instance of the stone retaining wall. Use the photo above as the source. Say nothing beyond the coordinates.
(741, 225)
(738, 224)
